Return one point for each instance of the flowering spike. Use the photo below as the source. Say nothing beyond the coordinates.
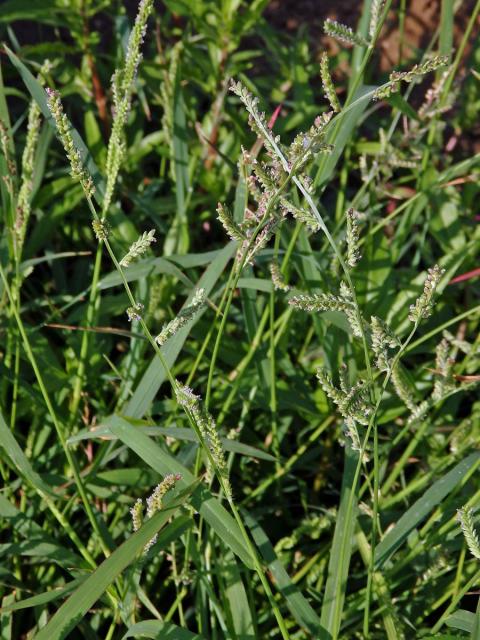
(184, 316)
(327, 83)
(465, 517)
(302, 215)
(155, 502)
(208, 430)
(423, 305)
(122, 88)
(343, 33)
(278, 277)
(134, 313)
(78, 171)
(377, 6)
(353, 236)
(138, 248)
(418, 70)
(233, 230)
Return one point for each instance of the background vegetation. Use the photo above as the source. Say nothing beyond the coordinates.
(321, 537)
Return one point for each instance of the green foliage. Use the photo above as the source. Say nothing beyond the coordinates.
(322, 481)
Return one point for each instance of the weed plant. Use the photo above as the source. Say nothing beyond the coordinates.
(239, 326)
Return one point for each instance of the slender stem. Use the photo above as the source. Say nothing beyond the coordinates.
(84, 347)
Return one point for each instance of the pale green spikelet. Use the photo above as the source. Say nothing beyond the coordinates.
(343, 33)
(78, 170)
(183, 317)
(278, 278)
(101, 228)
(300, 214)
(5, 147)
(423, 305)
(353, 237)
(28, 162)
(307, 144)
(444, 381)
(260, 241)
(465, 517)
(257, 120)
(418, 70)
(351, 431)
(231, 227)
(352, 403)
(155, 502)
(330, 302)
(376, 8)
(327, 83)
(418, 413)
(139, 247)
(208, 430)
(383, 339)
(134, 312)
(402, 388)
(123, 81)
(137, 514)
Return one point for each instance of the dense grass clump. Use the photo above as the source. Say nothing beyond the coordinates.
(240, 333)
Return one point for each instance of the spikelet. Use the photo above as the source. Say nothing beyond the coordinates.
(101, 229)
(352, 403)
(343, 33)
(444, 382)
(134, 312)
(402, 388)
(231, 227)
(327, 83)
(122, 87)
(257, 120)
(383, 339)
(138, 248)
(5, 146)
(418, 413)
(137, 514)
(465, 518)
(351, 431)
(278, 278)
(418, 70)
(300, 214)
(183, 317)
(330, 302)
(377, 6)
(307, 144)
(260, 241)
(28, 162)
(154, 504)
(353, 237)
(423, 305)
(78, 171)
(208, 430)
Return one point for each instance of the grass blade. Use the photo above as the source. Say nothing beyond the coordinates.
(421, 508)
